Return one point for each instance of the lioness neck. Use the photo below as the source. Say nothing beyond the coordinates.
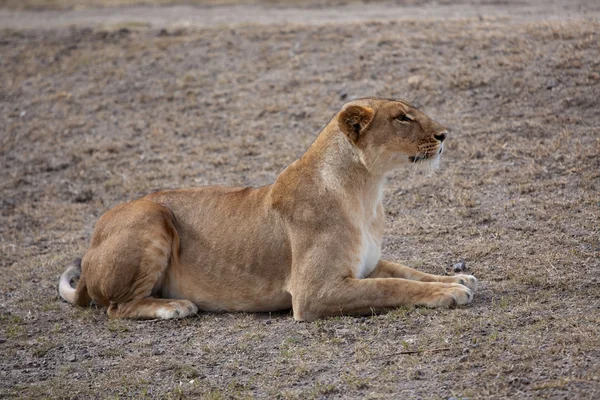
(337, 165)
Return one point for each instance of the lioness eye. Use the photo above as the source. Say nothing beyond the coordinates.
(404, 118)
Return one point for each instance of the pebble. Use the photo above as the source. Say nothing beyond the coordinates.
(460, 266)
(415, 81)
(551, 84)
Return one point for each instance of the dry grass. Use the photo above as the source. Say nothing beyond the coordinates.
(93, 118)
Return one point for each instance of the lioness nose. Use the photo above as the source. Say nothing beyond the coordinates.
(441, 136)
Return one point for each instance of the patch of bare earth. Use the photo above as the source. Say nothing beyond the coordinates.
(90, 118)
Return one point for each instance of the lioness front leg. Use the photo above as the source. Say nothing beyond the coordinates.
(363, 296)
(387, 269)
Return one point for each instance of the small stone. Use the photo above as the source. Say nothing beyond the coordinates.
(156, 352)
(85, 196)
(416, 375)
(72, 358)
(415, 81)
(463, 359)
(460, 266)
(268, 322)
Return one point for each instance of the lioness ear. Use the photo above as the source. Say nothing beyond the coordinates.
(355, 119)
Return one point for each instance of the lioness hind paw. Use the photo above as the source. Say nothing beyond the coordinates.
(176, 309)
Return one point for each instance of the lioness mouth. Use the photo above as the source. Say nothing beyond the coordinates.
(425, 156)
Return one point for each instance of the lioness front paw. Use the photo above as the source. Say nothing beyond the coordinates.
(466, 280)
(450, 294)
(176, 309)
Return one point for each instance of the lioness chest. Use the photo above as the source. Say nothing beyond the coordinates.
(369, 249)
(371, 227)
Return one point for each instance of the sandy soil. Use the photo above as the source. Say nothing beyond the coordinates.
(110, 109)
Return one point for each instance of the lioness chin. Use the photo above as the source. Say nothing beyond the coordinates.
(311, 241)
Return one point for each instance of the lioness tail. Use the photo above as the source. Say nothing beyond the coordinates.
(67, 292)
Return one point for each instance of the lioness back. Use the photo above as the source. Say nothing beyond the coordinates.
(206, 219)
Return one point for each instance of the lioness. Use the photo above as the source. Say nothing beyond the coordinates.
(311, 241)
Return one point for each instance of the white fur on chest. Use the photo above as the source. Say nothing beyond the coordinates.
(370, 229)
(370, 252)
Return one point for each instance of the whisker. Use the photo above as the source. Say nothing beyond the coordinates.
(414, 168)
(377, 158)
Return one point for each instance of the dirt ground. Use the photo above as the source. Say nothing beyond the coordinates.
(93, 115)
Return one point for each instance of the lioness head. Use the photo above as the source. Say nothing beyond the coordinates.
(388, 133)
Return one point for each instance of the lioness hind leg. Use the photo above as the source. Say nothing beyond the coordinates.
(150, 308)
(133, 246)
(387, 269)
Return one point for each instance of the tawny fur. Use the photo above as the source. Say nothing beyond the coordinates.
(311, 241)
